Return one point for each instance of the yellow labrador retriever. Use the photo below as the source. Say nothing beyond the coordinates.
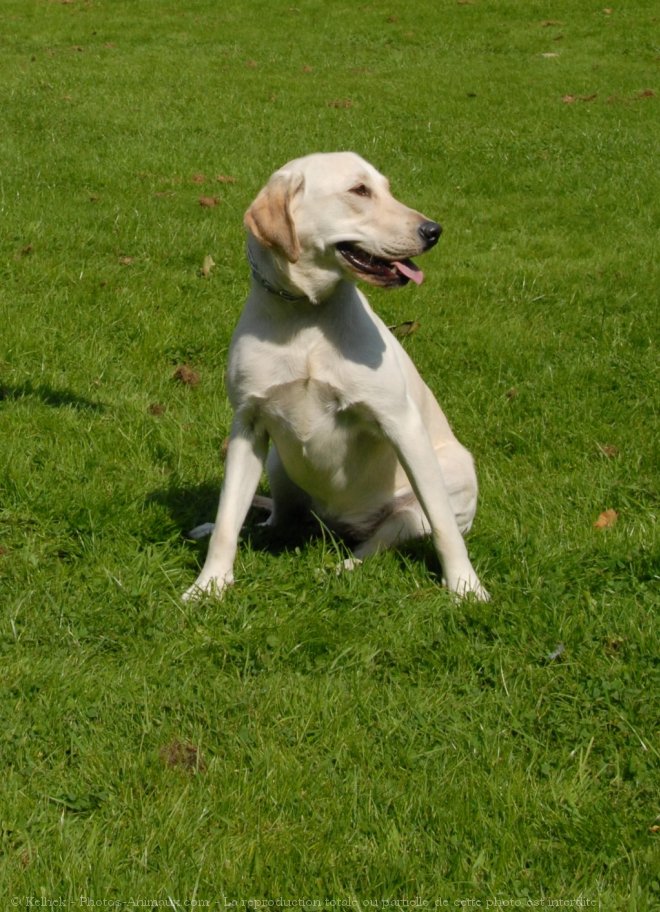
(355, 435)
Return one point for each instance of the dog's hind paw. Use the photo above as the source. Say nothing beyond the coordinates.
(346, 565)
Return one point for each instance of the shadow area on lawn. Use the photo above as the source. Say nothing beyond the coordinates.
(48, 395)
(189, 507)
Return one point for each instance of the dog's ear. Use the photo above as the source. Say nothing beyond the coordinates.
(269, 217)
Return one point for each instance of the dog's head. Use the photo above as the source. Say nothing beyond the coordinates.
(328, 216)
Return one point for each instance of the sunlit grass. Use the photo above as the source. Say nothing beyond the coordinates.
(364, 737)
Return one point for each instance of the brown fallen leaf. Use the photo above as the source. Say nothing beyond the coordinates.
(340, 103)
(571, 99)
(606, 519)
(183, 755)
(156, 409)
(608, 450)
(198, 178)
(647, 93)
(613, 645)
(512, 393)
(208, 202)
(186, 375)
(126, 260)
(225, 179)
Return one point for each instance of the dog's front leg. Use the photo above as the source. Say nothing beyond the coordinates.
(246, 455)
(412, 443)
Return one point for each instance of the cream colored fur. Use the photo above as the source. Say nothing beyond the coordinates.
(323, 394)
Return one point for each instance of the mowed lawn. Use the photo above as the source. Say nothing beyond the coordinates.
(359, 741)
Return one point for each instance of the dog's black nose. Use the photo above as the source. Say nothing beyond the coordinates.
(430, 233)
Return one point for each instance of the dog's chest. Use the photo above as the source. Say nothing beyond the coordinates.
(303, 392)
(306, 409)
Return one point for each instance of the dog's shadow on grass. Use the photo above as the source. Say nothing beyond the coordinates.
(189, 507)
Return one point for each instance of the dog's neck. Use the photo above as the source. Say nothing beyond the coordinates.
(265, 275)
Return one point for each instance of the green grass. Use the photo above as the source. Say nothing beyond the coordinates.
(362, 738)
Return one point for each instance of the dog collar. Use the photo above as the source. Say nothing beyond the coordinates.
(263, 281)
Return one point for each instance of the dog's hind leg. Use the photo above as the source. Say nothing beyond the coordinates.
(289, 502)
(405, 524)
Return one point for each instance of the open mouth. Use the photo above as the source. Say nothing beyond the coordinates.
(378, 270)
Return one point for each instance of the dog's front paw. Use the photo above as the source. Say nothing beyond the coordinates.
(466, 583)
(208, 584)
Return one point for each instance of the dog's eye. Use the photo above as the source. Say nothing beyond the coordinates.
(361, 190)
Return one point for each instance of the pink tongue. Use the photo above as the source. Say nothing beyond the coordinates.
(410, 271)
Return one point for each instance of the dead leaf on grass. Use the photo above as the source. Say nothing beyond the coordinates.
(156, 409)
(606, 519)
(208, 202)
(613, 645)
(126, 260)
(340, 103)
(647, 93)
(571, 99)
(186, 374)
(401, 330)
(198, 178)
(183, 755)
(608, 450)
(225, 179)
(207, 266)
